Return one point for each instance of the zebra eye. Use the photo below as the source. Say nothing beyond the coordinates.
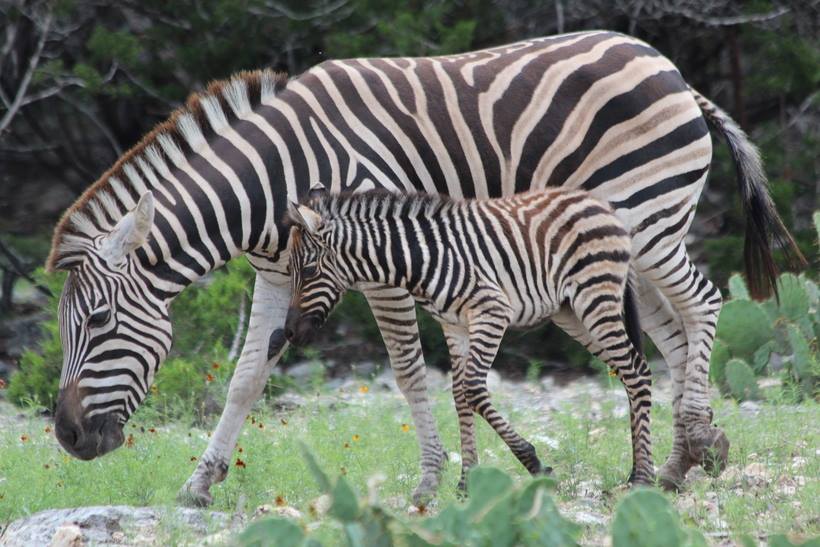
(99, 318)
(309, 271)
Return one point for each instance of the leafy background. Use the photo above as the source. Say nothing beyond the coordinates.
(82, 80)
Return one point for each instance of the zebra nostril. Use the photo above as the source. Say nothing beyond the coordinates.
(68, 434)
(289, 332)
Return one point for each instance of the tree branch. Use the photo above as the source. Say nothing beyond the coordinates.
(24, 83)
(17, 266)
(109, 136)
(730, 21)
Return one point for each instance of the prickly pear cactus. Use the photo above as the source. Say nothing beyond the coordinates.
(717, 364)
(804, 362)
(794, 298)
(737, 288)
(645, 518)
(741, 380)
(744, 327)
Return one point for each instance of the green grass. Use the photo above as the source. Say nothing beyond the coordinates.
(363, 436)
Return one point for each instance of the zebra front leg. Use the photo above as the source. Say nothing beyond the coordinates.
(395, 314)
(486, 329)
(264, 344)
(458, 343)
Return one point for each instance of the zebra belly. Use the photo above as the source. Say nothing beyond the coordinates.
(533, 314)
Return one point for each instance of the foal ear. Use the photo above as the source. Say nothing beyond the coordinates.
(317, 190)
(130, 233)
(304, 217)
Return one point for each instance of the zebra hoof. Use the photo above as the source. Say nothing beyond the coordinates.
(714, 452)
(191, 496)
(673, 472)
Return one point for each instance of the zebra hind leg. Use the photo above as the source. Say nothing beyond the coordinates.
(602, 320)
(698, 303)
(458, 343)
(395, 314)
(664, 326)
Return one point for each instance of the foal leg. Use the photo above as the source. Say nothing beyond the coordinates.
(486, 329)
(603, 321)
(395, 314)
(458, 342)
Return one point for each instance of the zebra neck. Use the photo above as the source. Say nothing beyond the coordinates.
(395, 251)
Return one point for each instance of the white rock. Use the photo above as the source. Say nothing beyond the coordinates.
(287, 512)
(99, 524)
(749, 409)
(321, 505)
(67, 535)
(585, 517)
(799, 462)
(547, 440)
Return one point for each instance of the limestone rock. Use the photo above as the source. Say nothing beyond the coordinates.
(105, 525)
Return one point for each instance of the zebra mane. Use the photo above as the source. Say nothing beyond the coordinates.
(187, 128)
(379, 204)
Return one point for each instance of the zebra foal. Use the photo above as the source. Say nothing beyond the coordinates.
(480, 267)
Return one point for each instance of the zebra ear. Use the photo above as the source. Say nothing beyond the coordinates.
(305, 217)
(131, 231)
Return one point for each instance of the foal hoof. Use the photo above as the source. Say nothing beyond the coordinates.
(426, 490)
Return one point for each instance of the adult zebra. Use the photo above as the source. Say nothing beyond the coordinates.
(596, 110)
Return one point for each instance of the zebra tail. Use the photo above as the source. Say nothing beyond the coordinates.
(763, 223)
(631, 318)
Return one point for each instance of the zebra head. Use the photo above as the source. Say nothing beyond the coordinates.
(114, 336)
(316, 280)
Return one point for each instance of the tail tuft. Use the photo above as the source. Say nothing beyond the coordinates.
(763, 223)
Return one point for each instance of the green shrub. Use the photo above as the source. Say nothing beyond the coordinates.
(498, 512)
(38, 378)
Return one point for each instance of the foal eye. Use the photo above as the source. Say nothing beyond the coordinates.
(99, 318)
(309, 271)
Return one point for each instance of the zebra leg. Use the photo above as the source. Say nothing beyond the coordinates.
(663, 325)
(486, 329)
(458, 343)
(264, 344)
(618, 352)
(698, 302)
(395, 314)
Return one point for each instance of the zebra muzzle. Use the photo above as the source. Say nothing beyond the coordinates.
(85, 438)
